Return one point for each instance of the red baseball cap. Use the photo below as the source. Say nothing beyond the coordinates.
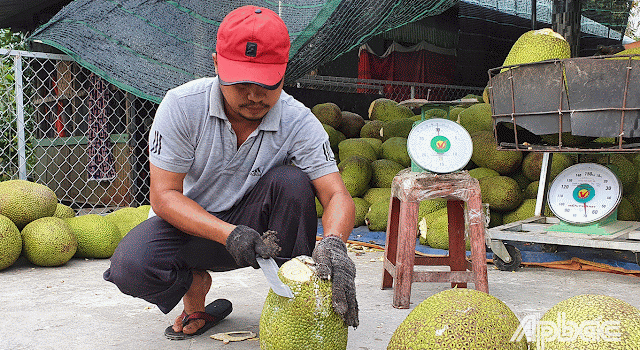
(252, 47)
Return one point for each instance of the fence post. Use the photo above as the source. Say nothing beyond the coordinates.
(22, 159)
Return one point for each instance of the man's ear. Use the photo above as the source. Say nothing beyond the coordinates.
(215, 62)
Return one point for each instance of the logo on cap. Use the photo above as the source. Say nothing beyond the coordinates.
(251, 50)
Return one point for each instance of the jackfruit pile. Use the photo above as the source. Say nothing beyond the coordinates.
(48, 233)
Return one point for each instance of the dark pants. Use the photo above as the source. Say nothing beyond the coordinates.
(154, 260)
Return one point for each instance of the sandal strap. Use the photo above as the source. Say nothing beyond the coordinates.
(198, 315)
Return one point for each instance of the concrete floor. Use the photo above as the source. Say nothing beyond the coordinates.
(71, 307)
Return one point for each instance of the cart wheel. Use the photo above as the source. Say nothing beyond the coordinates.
(516, 259)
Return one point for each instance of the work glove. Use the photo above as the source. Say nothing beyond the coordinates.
(332, 262)
(244, 243)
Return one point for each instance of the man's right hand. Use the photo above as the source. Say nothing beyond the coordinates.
(244, 243)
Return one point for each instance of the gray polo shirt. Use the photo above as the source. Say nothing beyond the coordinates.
(191, 134)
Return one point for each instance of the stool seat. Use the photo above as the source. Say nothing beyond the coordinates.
(407, 191)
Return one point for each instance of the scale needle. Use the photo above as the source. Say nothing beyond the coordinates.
(585, 209)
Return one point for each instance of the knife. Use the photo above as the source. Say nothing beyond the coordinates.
(270, 270)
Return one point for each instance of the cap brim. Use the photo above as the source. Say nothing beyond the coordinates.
(267, 75)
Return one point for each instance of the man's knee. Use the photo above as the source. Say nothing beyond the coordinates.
(291, 179)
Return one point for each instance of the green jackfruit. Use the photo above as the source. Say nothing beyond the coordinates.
(523, 211)
(384, 170)
(486, 155)
(395, 149)
(396, 128)
(502, 193)
(328, 113)
(356, 174)
(48, 241)
(371, 129)
(626, 210)
(376, 144)
(438, 233)
(145, 209)
(335, 137)
(97, 236)
(568, 139)
(454, 113)
(537, 45)
(384, 110)
(633, 52)
(458, 318)
(597, 316)
(532, 165)
(306, 321)
(125, 219)
(362, 208)
(10, 242)
(476, 117)
(351, 124)
(376, 194)
(64, 211)
(377, 216)
(25, 201)
(356, 147)
(479, 173)
(532, 190)
(623, 168)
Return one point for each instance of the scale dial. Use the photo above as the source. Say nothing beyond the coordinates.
(584, 193)
(439, 145)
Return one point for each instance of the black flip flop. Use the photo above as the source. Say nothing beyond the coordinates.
(213, 314)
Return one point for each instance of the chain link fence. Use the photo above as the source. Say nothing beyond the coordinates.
(65, 127)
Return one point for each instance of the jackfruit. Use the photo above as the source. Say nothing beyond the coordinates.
(376, 144)
(438, 233)
(376, 194)
(384, 110)
(371, 129)
(48, 241)
(377, 216)
(10, 242)
(532, 165)
(383, 172)
(502, 193)
(97, 236)
(522, 180)
(626, 210)
(306, 321)
(125, 219)
(395, 149)
(319, 208)
(537, 45)
(532, 190)
(351, 124)
(362, 208)
(523, 211)
(458, 318)
(328, 113)
(486, 155)
(356, 174)
(145, 209)
(623, 168)
(454, 113)
(485, 95)
(633, 52)
(396, 128)
(64, 211)
(24, 201)
(356, 147)
(590, 322)
(479, 173)
(335, 137)
(568, 139)
(476, 117)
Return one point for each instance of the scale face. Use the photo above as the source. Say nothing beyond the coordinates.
(584, 194)
(439, 145)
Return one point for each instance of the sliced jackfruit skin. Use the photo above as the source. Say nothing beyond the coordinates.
(596, 311)
(24, 201)
(48, 241)
(537, 45)
(10, 242)
(306, 321)
(461, 319)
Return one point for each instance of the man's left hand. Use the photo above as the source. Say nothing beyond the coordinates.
(332, 262)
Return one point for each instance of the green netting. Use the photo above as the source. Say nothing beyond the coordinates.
(148, 47)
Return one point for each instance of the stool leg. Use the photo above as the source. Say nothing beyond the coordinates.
(406, 253)
(391, 245)
(478, 247)
(457, 250)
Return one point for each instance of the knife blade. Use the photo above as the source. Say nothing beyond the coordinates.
(270, 270)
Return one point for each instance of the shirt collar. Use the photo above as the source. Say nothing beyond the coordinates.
(270, 122)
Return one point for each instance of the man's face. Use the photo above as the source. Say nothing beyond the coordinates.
(248, 101)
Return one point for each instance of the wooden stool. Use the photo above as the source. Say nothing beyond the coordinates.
(407, 190)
